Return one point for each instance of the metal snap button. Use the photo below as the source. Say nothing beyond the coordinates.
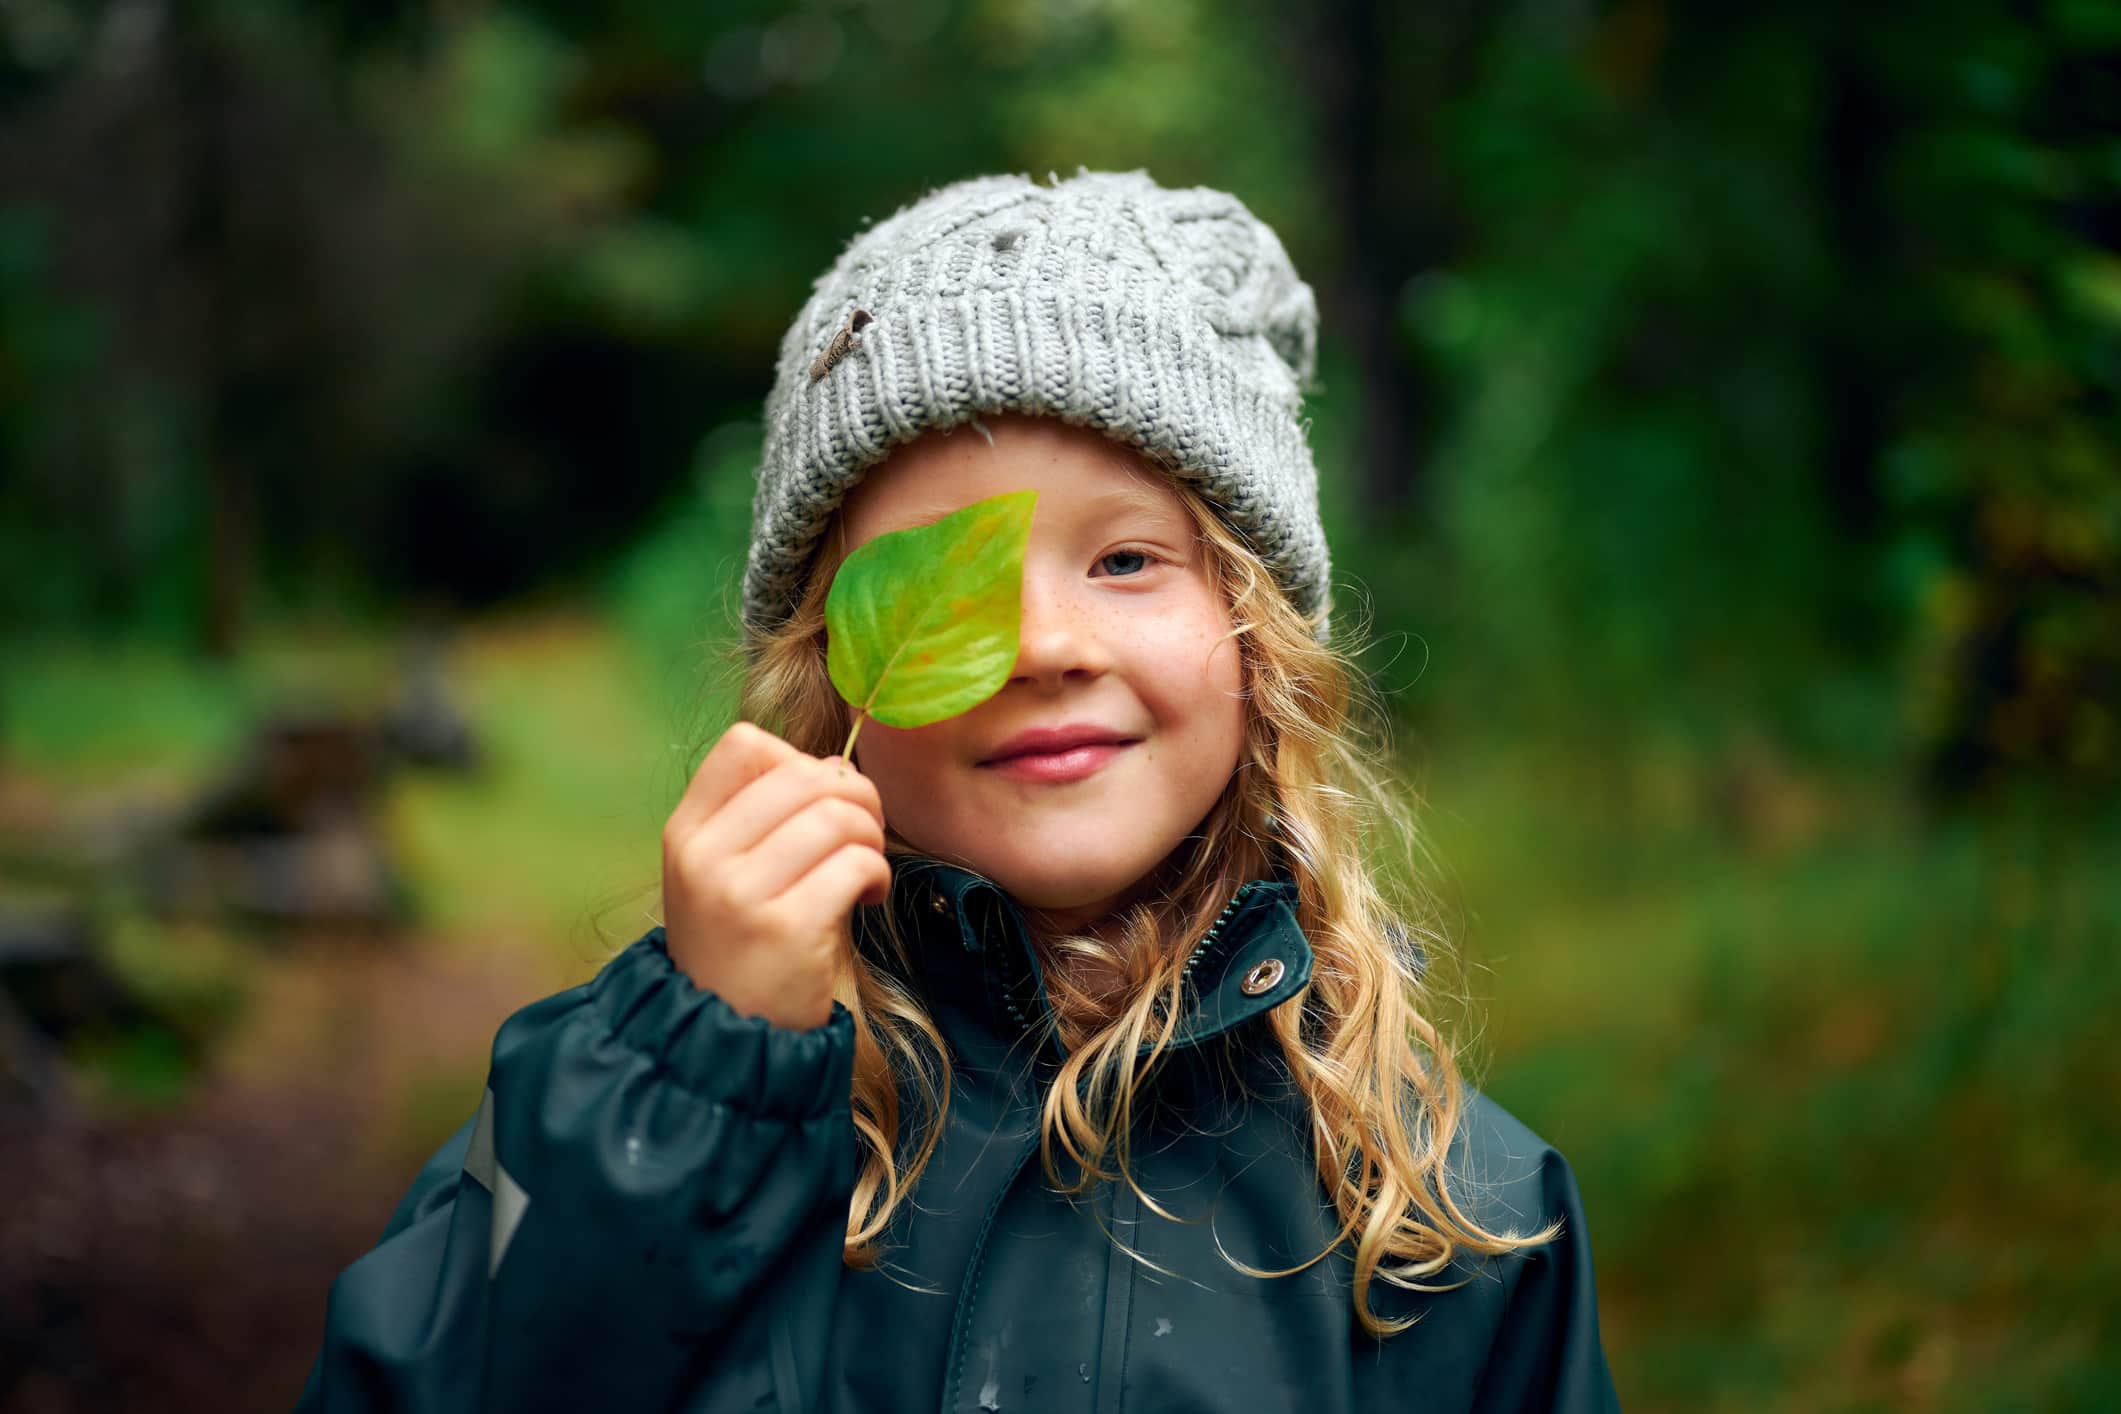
(1262, 977)
(938, 903)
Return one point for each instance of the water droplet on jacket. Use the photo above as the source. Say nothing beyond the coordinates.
(990, 1393)
(1163, 1325)
(1083, 1369)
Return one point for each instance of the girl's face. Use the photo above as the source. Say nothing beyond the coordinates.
(1123, 630)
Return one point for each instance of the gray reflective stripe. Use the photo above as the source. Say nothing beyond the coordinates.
(484, 1166)
(479, 1161)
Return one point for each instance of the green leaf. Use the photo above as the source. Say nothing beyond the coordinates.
(921, 624)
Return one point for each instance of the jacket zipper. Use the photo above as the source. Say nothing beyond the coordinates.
(968, 1297)
(1208, 939)
(1207, 944)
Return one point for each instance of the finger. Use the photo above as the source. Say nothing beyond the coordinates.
(802, 842)
(824, 896)
(769, 801)
(742, 754)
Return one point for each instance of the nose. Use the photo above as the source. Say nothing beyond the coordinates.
(1059, 637)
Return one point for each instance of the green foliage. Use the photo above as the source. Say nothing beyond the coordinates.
(921, 624)
(193, 979)
(676, 592)
(1833, 1087)
(2007, 483)
(147, 1067)
(581, 770)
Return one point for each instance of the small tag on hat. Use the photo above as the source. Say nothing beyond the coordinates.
(843, 341)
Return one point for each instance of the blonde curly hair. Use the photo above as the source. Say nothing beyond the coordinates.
(1363, 1042)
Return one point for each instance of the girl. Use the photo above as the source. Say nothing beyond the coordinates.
(1062, 1055)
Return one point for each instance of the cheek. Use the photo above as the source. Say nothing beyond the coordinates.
(1198, 672)
(898, 761)
(1226, 665)
(1215, 654)
(1228, 675)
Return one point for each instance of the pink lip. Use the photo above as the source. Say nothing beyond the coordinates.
(1052, 767)
(1061, 736)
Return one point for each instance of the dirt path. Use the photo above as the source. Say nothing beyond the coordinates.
(181, 1261)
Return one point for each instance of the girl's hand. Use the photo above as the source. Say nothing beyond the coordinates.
(764, 858)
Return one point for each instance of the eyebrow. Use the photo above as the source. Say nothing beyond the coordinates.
(1136, 498)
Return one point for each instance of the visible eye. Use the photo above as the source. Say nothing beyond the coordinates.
(1142, 555)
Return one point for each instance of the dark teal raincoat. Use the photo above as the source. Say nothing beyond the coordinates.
(647, 1210)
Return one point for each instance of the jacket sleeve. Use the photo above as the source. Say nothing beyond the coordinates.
(644, 1160)
(1547, 1354)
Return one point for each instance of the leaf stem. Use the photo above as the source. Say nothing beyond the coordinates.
(848, 750)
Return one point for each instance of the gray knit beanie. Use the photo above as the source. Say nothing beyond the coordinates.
(1169, 319)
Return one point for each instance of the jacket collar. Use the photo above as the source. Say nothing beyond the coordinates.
(1253, 958)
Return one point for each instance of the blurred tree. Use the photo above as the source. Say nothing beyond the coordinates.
(1379, 78)
(2006, 478)
(249, 265)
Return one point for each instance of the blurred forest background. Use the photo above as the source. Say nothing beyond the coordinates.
(1718, 439)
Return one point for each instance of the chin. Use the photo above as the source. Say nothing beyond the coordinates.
(1060, 879)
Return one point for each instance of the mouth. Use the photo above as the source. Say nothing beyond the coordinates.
(1072, 763)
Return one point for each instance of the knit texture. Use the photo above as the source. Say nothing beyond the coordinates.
(1170, 319)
